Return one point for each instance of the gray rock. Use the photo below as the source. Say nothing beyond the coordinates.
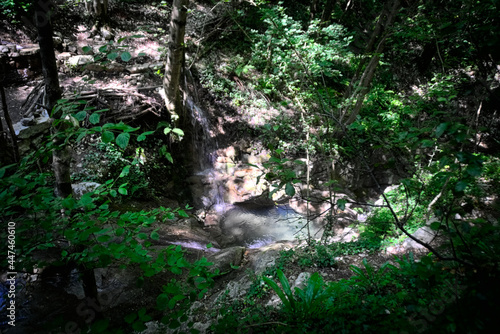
(64, 56)
(28, 121)
(80, 60)
(237, 289)
(425, 234)
(226, 258)
(301, 281)
(107, 33)
(138, 68)
(40, 126)
(115, 67)
(57, 40)
(95, 67)
(79, 189)
(4, 49)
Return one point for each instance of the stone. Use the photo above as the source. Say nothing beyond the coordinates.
(27, 121)
(57, 41)
(226, 258)
(424, 234)
(301, 280)
(138, 68)
(4, 49)
(95, 67)
(107, 33)
(237, 289)
(80, 60)
(115, 67)
(40, 126)
(80, 189)
(64, 56)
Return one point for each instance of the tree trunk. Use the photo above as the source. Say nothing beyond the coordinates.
(61, 153)
(8, 120)
(378, 38)
(175, 59)
(326, 16)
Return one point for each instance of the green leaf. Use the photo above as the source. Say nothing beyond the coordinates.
(474, 170)
(107, 137)
(100, 326)
(167, 130)
(183, 213)
(341, 204)
(435, 226)
(80, 116)
(289, 189)
(154, 235)
(122, 140)
(86, 49)
(178, 132)
(125, 171)
(119, 231)
(123, 191)
(113, 193)
(461, 185)
(169, 157)
(143, 135)
(94, 118)
(162, 301)
(103, 48)
(139, 326)
(69, 203)
(440, 129)
(174, 300)
(103, 238)
(427, 143)
(112, 56)
(126, 56)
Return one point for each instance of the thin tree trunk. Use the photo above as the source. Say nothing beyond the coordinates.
(175, 58)
(61, 154)
(378, 37)
(8, 120)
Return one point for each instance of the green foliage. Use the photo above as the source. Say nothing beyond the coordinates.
(112, 52)
(87, 231)
(289, 56)
(14, 9)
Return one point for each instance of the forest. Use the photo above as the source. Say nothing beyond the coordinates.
(257, 166)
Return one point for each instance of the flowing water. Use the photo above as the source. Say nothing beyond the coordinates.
(248, 224)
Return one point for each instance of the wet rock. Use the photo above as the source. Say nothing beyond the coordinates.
(226, 258)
